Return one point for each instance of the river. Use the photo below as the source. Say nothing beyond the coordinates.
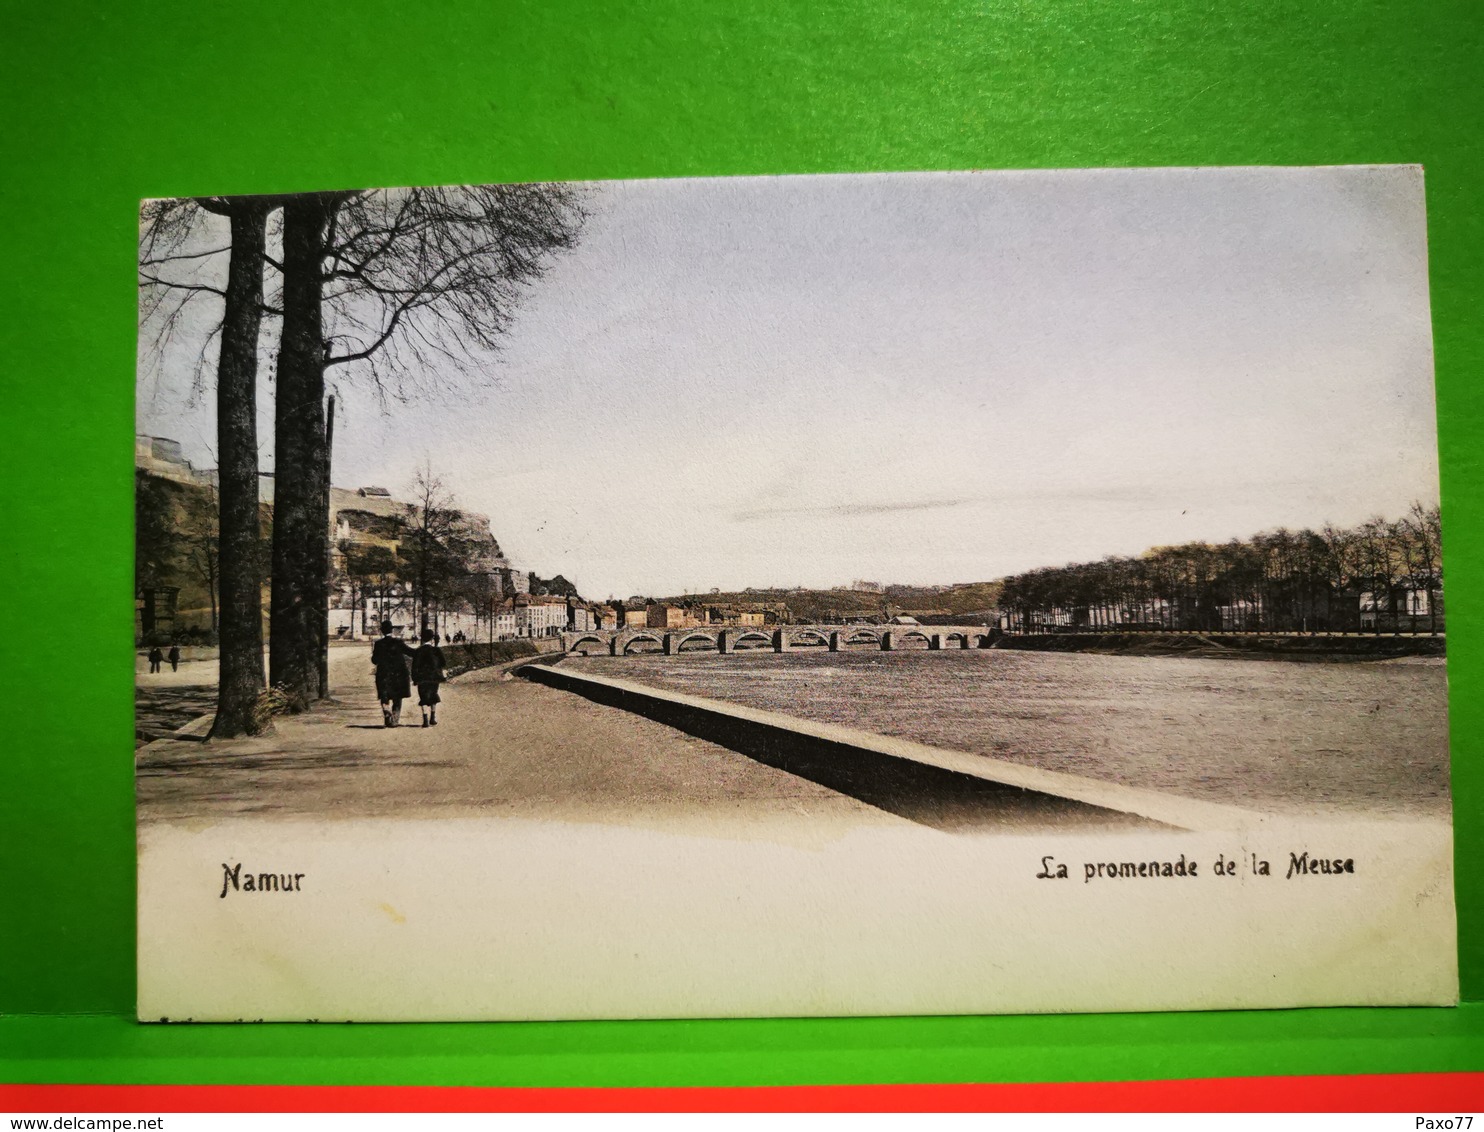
(1296, 738)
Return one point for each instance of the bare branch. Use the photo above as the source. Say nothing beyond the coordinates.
(183, 256)
(429, 278)
(174, 286)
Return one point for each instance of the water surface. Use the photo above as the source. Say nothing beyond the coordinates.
(1299, 738)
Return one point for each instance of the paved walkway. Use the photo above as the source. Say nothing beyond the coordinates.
(502, 747)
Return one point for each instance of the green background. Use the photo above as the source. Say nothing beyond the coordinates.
(106, 104)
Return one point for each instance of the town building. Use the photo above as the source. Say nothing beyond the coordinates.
(580, 616)
(505, 626)
(370, 527)
(163, 457)
(544, 616)
(671, 615)
(369, 530)
(1412, 605)
(155, 609)
(748, 615)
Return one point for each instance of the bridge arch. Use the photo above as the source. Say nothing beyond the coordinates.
(811, 635)
(580, 641)
(682, 641)
(860, 637)
(629, 644)
(900, 639)
(752, 635)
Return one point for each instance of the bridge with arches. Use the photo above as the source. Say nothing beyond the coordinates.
(783, 638)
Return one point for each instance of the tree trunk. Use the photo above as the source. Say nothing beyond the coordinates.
(322, 658)
(301, 528)
(422, 582)
(240, 706)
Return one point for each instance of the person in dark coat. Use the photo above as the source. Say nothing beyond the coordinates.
(174, 658)
(389, 659)
(427, 674)
(156, 658)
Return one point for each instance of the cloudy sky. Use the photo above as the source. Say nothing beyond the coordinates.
(926, 378)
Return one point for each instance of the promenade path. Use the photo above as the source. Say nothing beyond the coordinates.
(168, 700)
(503, 747)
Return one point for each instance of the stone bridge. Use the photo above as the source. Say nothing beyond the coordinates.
(735, 638)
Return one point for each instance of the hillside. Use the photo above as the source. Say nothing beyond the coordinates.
(175, 550)
(972, 601)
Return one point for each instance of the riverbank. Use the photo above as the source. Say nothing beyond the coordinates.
(487, 654)
(916, 781)
(1307, 740)
(1232, 646)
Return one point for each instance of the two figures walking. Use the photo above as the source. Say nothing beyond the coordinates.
(157, 658)
(390, 656)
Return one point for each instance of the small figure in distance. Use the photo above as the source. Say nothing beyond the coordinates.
(427, 674)
(389, 659)
(174, 658)
(156, 658)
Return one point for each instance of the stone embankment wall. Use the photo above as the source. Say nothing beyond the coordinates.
(485, 654)
(935, 786)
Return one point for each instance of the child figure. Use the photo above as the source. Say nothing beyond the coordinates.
(427, 674)
(389, 656)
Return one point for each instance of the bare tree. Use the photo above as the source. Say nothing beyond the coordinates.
(203, 546)
(240, 679)
(403, 287)
(1375, 549)
(299, 606)
(165, 242)
(1422, 536)
(431, 545)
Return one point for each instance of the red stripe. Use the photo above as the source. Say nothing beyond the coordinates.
(1410, 1092)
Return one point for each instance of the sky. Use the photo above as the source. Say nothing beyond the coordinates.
(920, 378)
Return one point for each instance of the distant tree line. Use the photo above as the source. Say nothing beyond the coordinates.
(1383, 575)
(970, 602)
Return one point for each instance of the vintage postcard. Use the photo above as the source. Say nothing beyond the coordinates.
(886, 594)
